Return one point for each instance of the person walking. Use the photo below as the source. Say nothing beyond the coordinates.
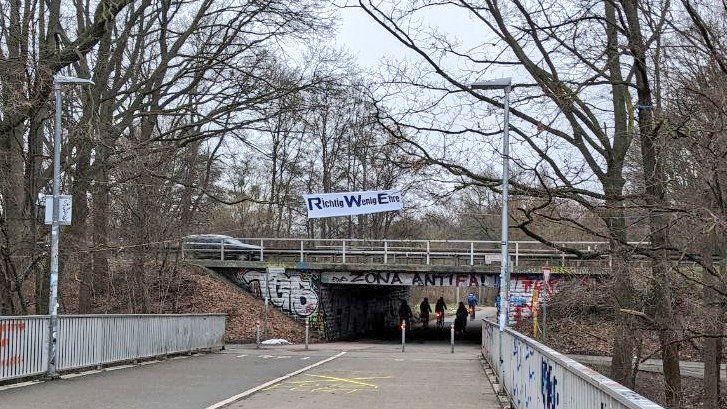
(424, 310)
(460, 320)
(405, 313)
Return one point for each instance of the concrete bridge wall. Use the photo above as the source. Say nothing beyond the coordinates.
(342, 305)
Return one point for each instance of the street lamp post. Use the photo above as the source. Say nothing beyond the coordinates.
(58, 82)
(504, 84)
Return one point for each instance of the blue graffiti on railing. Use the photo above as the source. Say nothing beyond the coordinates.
(548, 386)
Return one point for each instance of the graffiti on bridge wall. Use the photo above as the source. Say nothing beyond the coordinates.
(292, 292)
(548, 386)
(410, 279)
(522, 289)
(534, 383)
(317, 322)
(559, 270)
(7, 358)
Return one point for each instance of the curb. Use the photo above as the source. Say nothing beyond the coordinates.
(490, 373)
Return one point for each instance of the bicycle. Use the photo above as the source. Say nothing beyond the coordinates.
(425, 320)
(440, 319)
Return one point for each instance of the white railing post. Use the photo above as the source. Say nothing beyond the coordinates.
(222, 250)
(344, 251)
(307, 326)
(403, 335)
(472, 253)
(301, 251)
(386, 251)
(427, 252)
(517, 254)
(262, 252)
(451, 336)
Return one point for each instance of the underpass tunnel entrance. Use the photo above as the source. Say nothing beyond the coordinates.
(372, 312)
(366, 306)
(361, 311)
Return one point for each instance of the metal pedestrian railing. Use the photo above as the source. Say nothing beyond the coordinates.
(92, 340)
(384, 251)
(535, 376)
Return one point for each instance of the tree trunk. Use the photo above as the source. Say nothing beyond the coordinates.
(654, 198)
(79, 230)
(622, 367)
(713, 326)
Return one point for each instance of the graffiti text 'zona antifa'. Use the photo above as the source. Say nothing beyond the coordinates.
(415, 279)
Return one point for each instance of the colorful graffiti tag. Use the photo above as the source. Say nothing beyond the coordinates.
(7, 357)
(521, 294)
(292, 292)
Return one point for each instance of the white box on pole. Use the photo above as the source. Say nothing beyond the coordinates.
(65, 209)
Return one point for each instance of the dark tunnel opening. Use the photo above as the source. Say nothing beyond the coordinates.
(370, 313)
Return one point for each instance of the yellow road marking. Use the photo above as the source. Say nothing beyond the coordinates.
(333, 378)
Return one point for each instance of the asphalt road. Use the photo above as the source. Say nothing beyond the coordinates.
(185, 382)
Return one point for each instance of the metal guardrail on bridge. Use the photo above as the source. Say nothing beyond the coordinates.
(91, 340)
(428, 252)
(535, 376)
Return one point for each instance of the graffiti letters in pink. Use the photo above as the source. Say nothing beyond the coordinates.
(6, 355)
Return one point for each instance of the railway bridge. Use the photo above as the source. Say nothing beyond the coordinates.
(347, 288)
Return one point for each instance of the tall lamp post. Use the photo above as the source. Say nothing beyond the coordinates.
(58, 82)
(504, 84)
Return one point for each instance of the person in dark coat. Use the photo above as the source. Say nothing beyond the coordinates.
(440, 306)
(461, 318)
(424, 310)
(405, 313)
(439, 309)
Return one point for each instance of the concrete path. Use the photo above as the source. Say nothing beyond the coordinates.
(688, 368)
(365, 376)
(382, 377)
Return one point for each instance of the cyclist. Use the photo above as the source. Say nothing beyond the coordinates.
(439, 309)
(424, 310)
(471, 302)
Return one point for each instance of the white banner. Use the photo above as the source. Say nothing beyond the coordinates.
(352, 203)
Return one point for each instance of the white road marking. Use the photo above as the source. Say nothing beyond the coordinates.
(266, 356)
(76, 375)
(270, 383)
(305, 358)
(116, 368)
(241, 356)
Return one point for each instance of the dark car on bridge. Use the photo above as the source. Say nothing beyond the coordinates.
(220, 247)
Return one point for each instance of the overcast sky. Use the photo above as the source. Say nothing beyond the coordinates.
(365, 39)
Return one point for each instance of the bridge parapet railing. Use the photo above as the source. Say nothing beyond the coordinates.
(429, 252)
(535, 376)
(91, 340)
